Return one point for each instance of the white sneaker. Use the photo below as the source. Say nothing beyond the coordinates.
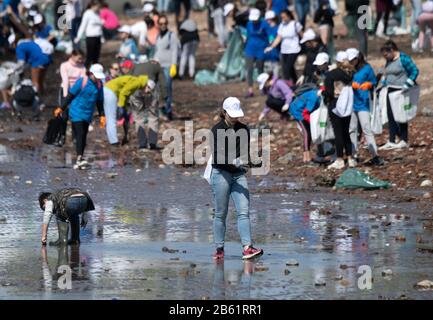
(337, 165)
(352, 163)
(401, 145)
(388, 146)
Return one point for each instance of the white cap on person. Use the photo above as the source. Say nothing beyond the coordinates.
(228, 8)
(269, 15)
(125, 29)
(321, 59)
(341, 56)
(352, 53)
(232, 106)
(261, 79)
(37, 19)
(151, 84)
(254, 14)
(98, 71)
(27, 3)
(309, 35)
(148, 7)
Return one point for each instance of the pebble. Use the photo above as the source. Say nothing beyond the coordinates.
(17, 177)
(260, 268)
(292, 262)
(161, 166)
(387, 272)
(2, 219)
(425, 284)
(320, 283)
(400, 238)
(426, 195)
(286, 272)
(138, 170)
(338, 277)
(29, 182)
(111, 175)
(426, 183)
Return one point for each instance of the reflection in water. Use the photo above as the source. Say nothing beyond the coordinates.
(234, 284)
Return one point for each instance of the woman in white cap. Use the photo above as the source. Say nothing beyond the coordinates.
(364, 81)
(92, 28)
(273, 57)
(313, 47)
(289, 33)
(257, 40)
(128, 49)
(82, 98)
(228, 180)
(335, 81)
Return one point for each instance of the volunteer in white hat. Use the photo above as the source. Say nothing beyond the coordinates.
(273, 57)
(231, 159)
(128, 49)
(364, 81)
(86, 94)
(337, 82)
(255, 45)
(313, 46)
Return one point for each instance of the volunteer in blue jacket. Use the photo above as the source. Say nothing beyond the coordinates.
(272, 57)
(301, 107)
(82, 98)
(364, 81)
(401, 72)
(257, 41)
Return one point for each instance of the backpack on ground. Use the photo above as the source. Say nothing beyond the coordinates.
(25, 94)
(54, 130)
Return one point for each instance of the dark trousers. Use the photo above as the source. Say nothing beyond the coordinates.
(74, 207)
(275, 103)
(343, 144)
(80, 130)
(65, 115)
(187, 8)
(288, 66)
(75, 25)
(93, 50)
(385, 15)
(249, 63)
(396, 129)
(306, 134)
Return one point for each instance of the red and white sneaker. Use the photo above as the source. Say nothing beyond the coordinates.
(251, 252)
(219, 254)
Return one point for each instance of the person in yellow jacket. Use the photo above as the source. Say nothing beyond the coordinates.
(116, 96)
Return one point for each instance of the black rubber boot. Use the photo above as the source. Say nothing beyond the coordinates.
(63, 229)
(75, 231)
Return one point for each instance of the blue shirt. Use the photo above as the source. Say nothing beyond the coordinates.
(361, 98)
(307, 100)
(257, 40)
(279, 5)
(29, 52)
(83, 105)
(45, 32)
(272, 33)
(13, 3)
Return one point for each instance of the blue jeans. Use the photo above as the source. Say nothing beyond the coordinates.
(225, 185)
(302, 7)
(76, 206)
(169, 90)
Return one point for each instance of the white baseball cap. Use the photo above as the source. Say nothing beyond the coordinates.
(37, 19)
(321, 59)
(27, 3)
(341, 56)
(151, 84)
(261, 79)
(352, 53)
(228, 8)
(125, 29)
(148, 7)
(270, 15)
(233, 108)
(254, 14)
(309, 35)
(98, 71)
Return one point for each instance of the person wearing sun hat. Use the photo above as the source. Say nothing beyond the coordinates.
(231, 159)
(312, 47)
(128, 48)
(82, 98)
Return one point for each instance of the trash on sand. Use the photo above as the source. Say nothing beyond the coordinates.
(426, 183)
(292, 262)
(355, 179)
(424, 285)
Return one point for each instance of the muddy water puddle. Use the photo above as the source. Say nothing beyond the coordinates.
(150, 237)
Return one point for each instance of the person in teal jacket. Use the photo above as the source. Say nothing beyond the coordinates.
(364, 81)
(301, 107)
(82, 98)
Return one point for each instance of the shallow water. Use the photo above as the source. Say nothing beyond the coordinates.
(138, 213)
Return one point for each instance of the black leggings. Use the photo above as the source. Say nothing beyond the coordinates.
(343, 144)
(93, 50)
(288, 65)
(385, 20)
(80, 130)
(306, 134)
(395, 129)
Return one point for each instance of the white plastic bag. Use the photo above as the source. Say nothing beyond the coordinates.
(376, 114)
(344, 106)
(404, 104)
(320, 126)
(208, 171)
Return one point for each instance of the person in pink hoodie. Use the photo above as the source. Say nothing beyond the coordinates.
(111, 22)
(70, 71)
